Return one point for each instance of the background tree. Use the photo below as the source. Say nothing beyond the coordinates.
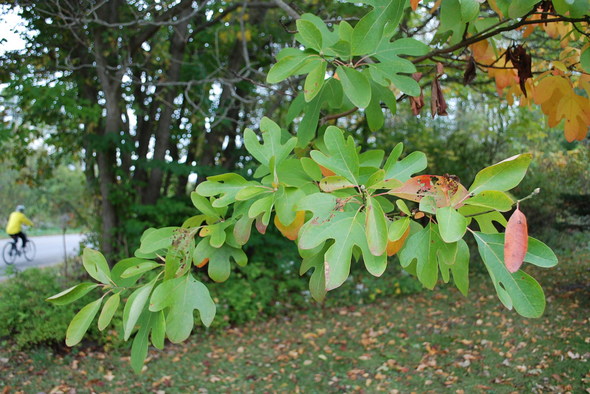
(340, 202)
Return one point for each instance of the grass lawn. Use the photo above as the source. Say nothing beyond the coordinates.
(430, 342)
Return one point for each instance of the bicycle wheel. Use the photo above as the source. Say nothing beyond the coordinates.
(30, 250)
(9, 253)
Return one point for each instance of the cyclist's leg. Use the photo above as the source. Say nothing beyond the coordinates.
(23, 237)
(14, 241)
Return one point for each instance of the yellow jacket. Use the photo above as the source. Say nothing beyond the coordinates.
(15, 221)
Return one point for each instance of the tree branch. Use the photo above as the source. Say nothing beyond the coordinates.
(285, 7)
(490, 32)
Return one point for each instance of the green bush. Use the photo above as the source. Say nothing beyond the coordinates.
(27, 319)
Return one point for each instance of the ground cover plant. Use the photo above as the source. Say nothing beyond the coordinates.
(436, 342)
(342, 204)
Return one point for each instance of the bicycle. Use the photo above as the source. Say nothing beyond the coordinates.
(11, 251)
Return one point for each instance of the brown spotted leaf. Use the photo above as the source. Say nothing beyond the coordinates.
(446, 190)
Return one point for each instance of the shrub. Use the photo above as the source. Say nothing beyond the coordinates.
(27, 319)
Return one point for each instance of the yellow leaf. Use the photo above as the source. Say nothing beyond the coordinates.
(395, 246)
(292, 230)
(504, 77)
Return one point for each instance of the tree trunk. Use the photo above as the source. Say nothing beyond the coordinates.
(177, 47)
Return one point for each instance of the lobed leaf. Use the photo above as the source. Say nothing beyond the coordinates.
(518, 289)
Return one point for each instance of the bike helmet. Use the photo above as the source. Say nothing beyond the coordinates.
(20, 208)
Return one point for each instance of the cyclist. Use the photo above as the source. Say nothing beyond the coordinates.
(14, 226)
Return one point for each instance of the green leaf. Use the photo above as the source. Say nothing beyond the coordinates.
(308, 34)
(317, 280)
(341, 49)
(334, 182)
(397, 229)
(375, 227)
(427, 204)
(309, 122)
(406, 84)
(425, 247)
(502, 176)
(135, 306)
(459, 268)
(491, 199)
(389, 51)
(450, 15)
(540, 254)
(291, 173)
(96, 265)
(108, 311)
(204, 206)
(157, 240)
(272, 146)
(347, 229)
(226, 185)
(72, 294)
(387, 73)
(159, 330)
(366, 35)
(139, 268)
(341, 158)
(182, 295)
(356, 86)
(372, 26)
(81, 321)
(345, 31)
(120, 267)
(242, 229)
(322, 205)
(290, 65)
(469, 10)
(314, 81)
(262, 207)
(285, 202)
(219, 259)
(248, 192)
(328, 37)
(519, 8)
(452, 225)
(404, 169)
(311, 168)
(401, 205)
(139, 348)
(518, 289)
(484, 218)
(373, 112)
(295, 109)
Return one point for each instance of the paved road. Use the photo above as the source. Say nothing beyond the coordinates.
(50, 251)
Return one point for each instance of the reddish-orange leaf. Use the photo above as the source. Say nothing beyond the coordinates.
(260, 226)
(446, 190)
(292, 230)
(326, 172)
(414, 4)
(203, 263)
(516, 241)
(395, 246)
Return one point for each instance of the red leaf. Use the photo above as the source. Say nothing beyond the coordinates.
(260, 226)
(446, 190)
(516, 241)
